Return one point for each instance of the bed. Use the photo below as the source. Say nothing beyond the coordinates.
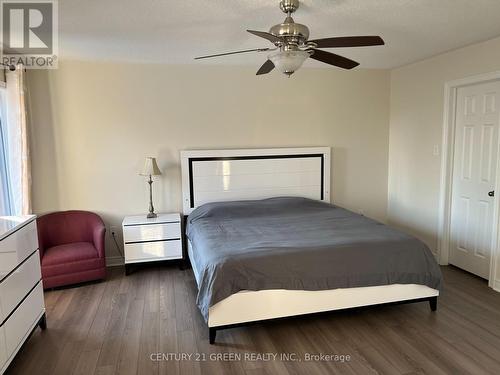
(265, 243)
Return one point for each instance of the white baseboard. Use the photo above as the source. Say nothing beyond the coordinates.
(496, 285)
(114, 261)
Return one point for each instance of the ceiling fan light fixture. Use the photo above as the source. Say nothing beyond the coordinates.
(287, 62)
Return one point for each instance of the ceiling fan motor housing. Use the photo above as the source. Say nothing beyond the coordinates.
(293, 33)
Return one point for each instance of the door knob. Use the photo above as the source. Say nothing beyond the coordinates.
(491, 193)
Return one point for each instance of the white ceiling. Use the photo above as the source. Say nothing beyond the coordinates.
(175, 31)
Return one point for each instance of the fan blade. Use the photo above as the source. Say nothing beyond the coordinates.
(333, 59)
(233, 53)
(272, 38)
(349, 41)
(266, 68)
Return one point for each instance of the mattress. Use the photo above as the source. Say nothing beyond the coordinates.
(299, 244)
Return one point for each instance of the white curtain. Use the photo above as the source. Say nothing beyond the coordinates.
(15, 124)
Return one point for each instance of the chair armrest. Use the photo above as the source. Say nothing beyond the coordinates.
(98, 236)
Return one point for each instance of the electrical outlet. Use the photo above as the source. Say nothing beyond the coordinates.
(115, 237)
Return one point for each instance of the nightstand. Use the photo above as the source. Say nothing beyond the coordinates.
(152, 240)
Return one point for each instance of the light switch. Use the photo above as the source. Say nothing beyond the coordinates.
(435, 150)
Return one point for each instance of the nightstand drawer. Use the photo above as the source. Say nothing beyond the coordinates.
(151, 232)
(148, 251)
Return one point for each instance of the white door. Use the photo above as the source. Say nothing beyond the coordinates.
(474, 173)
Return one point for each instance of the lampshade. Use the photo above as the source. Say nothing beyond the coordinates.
(288, 62)
(150, 168)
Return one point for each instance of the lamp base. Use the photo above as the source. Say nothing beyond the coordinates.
(152, 215)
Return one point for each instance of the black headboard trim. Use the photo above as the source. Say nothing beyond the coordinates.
(254, 157)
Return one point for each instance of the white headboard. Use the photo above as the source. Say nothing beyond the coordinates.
(226, 175)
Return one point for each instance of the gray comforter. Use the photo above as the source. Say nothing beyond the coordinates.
(299, 244)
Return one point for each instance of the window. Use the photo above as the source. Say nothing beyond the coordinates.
(14, 161)
(6, 196)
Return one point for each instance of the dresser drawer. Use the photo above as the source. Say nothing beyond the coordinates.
(148, 251)
(151, 232)
(17, 247)
(18, 284)
(21, 322)
(3, 349)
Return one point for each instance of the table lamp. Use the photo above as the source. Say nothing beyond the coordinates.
(150, 169)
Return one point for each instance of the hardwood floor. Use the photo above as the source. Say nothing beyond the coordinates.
(114, 327)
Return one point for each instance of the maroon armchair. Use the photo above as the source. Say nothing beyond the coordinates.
(71, 247)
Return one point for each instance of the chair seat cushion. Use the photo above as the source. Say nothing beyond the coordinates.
(69, 253)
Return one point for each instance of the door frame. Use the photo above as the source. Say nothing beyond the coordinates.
(445, 194)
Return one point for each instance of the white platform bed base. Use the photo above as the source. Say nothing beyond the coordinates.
(247, 307)
(221, 175)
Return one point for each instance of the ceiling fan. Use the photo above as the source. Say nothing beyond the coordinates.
(293, 47)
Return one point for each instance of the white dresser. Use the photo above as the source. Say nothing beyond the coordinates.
(21, 293)
(150, 240)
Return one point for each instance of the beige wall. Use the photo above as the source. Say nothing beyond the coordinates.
(93, 123)
(417, 104)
